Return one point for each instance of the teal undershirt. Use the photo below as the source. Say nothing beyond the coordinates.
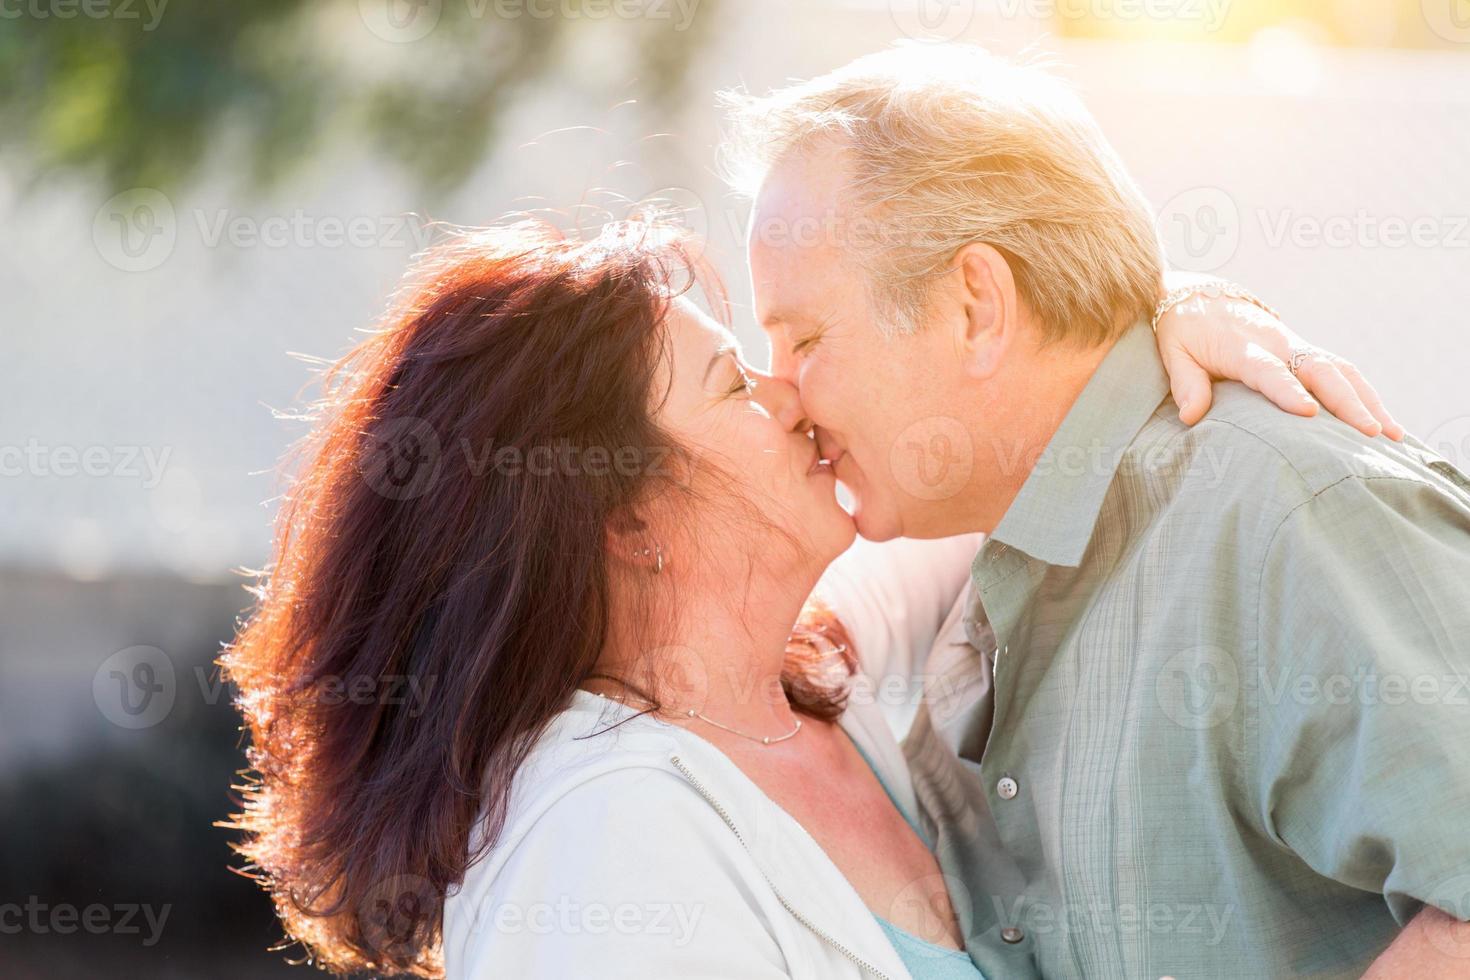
(923, 959)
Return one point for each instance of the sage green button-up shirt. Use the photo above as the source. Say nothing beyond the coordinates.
(1226, 732)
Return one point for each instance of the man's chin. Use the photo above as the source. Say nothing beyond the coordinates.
(875, 526)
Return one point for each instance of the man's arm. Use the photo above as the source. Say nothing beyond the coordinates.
(1365, 764)
(1434, 946)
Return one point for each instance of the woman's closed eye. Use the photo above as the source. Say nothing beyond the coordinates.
(742, 384)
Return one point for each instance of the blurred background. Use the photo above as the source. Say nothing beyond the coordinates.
(195, 194)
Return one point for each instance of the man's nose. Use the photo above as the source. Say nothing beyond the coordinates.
(783, 363)
(781, 400)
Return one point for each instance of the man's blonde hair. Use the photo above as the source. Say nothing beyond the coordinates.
(950, 145)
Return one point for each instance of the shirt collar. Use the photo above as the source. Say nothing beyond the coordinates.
(1053, 516)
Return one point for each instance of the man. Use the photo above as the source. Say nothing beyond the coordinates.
(1207, 711)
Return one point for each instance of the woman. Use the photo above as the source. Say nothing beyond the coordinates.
(522, 686)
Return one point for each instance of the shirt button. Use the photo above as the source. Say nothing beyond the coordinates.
(1007, 788)
(1012, 935)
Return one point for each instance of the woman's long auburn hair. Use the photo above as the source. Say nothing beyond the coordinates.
(430, 606)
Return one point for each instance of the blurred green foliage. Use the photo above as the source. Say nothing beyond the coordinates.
(145, 92)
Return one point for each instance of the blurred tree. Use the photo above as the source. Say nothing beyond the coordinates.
(143, 92)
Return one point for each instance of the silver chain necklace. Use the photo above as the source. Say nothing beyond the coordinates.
(691, 713)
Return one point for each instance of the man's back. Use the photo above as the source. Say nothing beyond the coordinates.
(1231, 728)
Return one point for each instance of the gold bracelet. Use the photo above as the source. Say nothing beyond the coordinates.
(1214, 289)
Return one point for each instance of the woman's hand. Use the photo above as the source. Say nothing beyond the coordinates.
(1223, 337)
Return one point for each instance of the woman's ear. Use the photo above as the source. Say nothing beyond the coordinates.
(987, 294)
(629, 543)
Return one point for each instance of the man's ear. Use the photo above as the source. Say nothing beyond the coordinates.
(987, 295)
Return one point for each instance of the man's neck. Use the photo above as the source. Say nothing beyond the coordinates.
(1026, 408)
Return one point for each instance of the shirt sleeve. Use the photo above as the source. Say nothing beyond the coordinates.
(893, 596)
(1364, 690)
(625, 876)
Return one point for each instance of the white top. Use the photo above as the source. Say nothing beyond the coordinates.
(643, 851)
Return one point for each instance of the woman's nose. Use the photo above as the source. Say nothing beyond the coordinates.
(781, 400)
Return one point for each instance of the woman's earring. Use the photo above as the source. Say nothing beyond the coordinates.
(657, 552)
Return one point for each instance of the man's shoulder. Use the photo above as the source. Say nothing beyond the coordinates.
(1259, 451)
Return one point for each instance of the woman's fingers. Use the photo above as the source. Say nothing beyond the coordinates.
(1369, 396)
(1189, 383)
(1324, 379)
(1233, 356)
(1201, 339)
(1265, 372)
(1357, 402)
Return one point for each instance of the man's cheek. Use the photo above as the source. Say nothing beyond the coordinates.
(931, 458)
(827, 399)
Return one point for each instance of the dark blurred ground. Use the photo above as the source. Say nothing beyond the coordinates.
(102, 825)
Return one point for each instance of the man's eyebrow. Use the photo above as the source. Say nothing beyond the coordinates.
(784, 316)
(721, 352)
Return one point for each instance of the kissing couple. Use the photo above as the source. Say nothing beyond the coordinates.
(1091, 677)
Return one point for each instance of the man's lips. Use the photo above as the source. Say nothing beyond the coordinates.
(827, 452)
(821, 464)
